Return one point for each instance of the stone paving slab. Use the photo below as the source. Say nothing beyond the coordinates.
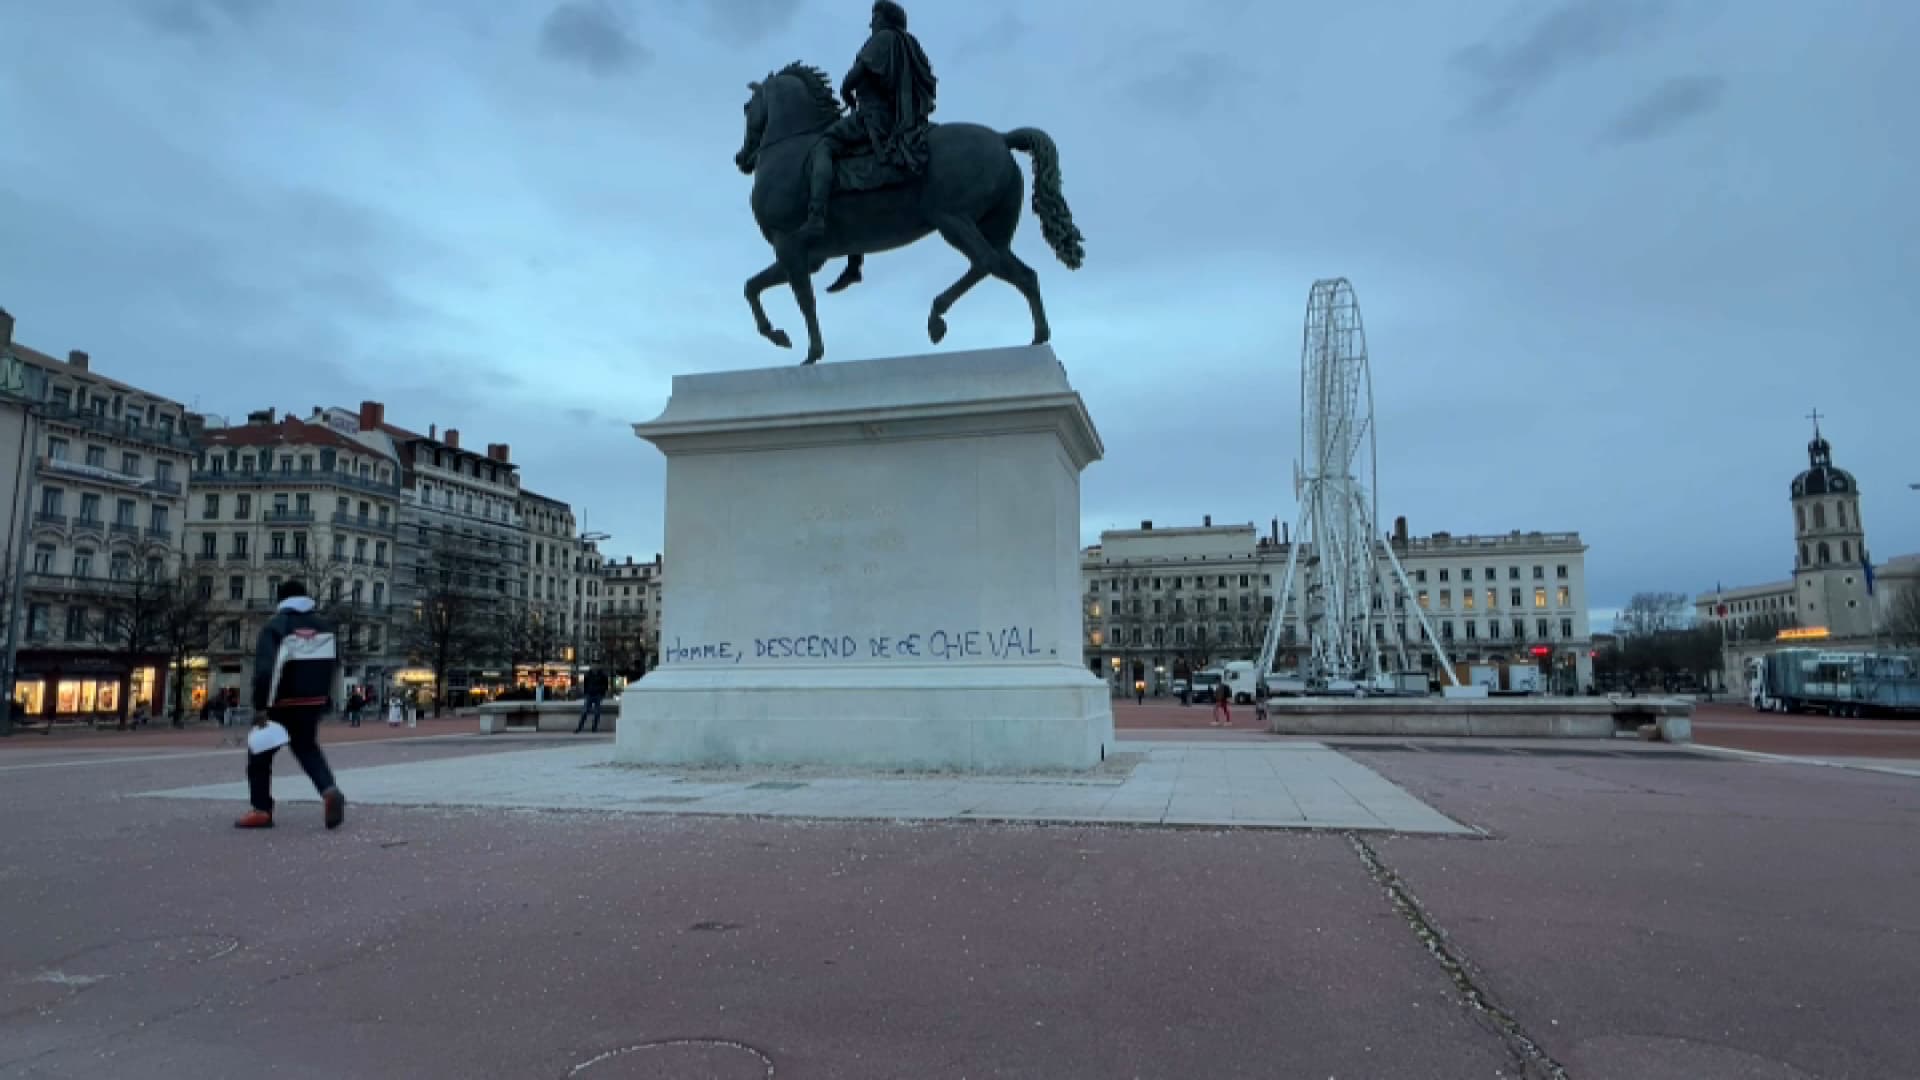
(1277, 785)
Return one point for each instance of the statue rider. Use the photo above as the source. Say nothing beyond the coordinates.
(889, 94)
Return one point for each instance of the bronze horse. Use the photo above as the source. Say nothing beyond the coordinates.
(970, 195)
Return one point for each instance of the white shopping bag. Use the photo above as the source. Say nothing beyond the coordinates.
(269, 736)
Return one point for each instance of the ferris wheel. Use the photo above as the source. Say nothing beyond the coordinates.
(1351, 626)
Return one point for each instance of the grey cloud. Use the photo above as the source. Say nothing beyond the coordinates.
(1666, 108)
(592, 34)
(998, 36)
(198, 18)
(1506, 69)
(745, 21)
(1187, 81)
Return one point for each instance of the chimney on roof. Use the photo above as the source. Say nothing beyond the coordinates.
(77, 358)
(260, 418)
(499, 452)
(1147, 525)
(453, 438)
(372, 415)
(1284, 538)
(1207, 522)
(6, 328)
(1274, 531)
(433, 431)
(1400, 530)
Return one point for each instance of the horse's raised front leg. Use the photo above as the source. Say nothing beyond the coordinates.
(757, 284)
(798, 266)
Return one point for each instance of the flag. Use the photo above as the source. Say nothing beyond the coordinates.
(1867, 568)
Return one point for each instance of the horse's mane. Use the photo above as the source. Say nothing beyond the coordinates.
(817, 84)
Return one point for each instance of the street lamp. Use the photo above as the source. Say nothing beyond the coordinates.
(580, 605)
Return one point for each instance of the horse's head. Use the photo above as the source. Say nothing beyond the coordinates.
(756, 109)
(794, 100)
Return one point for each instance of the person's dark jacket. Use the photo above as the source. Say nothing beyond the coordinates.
(304, 684)
(596, 683)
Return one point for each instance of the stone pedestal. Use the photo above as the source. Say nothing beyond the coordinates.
(873, 564)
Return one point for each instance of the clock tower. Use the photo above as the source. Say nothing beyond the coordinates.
(1830, 546)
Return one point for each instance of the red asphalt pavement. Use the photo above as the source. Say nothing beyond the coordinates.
(1638, 911)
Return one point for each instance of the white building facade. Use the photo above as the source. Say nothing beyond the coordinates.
(1160, 603)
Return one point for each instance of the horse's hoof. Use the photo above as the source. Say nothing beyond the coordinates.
(936, 328)
(807, 361)
(1041, 337)
(780, 338)
(814, 354)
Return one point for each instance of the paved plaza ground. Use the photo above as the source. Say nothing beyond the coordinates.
(1613, 909)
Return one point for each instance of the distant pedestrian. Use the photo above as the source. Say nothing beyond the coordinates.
(355, 703)
(396, 711)
(596, 687)
(1222, 706)
(1139, 693)
(293, 670)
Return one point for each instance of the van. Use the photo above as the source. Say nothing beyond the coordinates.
(1206, 684)
(1242, 679)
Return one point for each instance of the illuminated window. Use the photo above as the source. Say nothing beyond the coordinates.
(1467, 598)
(1422, 599)
(1540, 597)
(1565, 597)
(1493, 599)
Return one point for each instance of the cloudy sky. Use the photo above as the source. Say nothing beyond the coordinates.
(1610, 252)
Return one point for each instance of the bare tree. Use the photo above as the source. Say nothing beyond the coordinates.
(1903, 615)
(456, 619)
(185, 631)
(1652, 613)
(131, 620)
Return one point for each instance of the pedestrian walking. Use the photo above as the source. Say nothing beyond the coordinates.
(396, 711)
(1222, 706)
(294, 661)
(596, 687)
(355, 703)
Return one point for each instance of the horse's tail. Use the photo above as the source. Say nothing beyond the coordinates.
(1049, 205)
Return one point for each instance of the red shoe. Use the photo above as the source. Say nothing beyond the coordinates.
(255, 819)
(336, 807)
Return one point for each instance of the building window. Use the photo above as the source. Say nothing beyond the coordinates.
(157, 519)
(1471, 629)
(1421, 599)
(77, 623)
(242, 507)
(233, 635)
(1566, 629)
(1493, 599)
(1446, 595)
(90, 508)
(380, 593)
(83, 564)
(1540, 597)
(1564, 596)
(1443, 573)
(1846, 552)
(1421, 577)
(1803, 554)
(1467, 598)
(53, 501)
(43, 559)
(1826, 556)
(120, 566)
(1800, 518)
(37, 618)
(1513, 598)
(1541, 626)
(57, 448)
(1493, 629)
(130, 464)
(236, 588)
(277, 544)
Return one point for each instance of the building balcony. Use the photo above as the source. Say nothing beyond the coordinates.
(130, 430)
(368, 524)
(160, 536)
(285, 477)
(127, 529)
(164, 487)
(45, 518)
(77, 583)
(205, 556)
(285, 556)
(96, 474)
(240, 556)
(288, 517)
(89, 525)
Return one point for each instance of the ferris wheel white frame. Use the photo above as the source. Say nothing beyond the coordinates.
(1343, 609)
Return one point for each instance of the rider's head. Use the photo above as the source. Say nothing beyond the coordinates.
(888, 15)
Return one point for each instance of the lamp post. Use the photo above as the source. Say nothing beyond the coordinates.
(580, 603)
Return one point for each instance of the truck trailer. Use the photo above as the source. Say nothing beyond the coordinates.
(1835, 683)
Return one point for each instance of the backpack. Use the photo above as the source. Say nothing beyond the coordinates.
(305, 661)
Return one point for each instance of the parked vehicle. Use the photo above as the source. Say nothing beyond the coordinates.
(1242, 680)
(1206, 684)
(1835, 683)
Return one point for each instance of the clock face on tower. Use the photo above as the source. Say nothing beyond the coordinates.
(1839, 484)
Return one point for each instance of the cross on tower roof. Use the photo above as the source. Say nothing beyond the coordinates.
(1815, 417)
